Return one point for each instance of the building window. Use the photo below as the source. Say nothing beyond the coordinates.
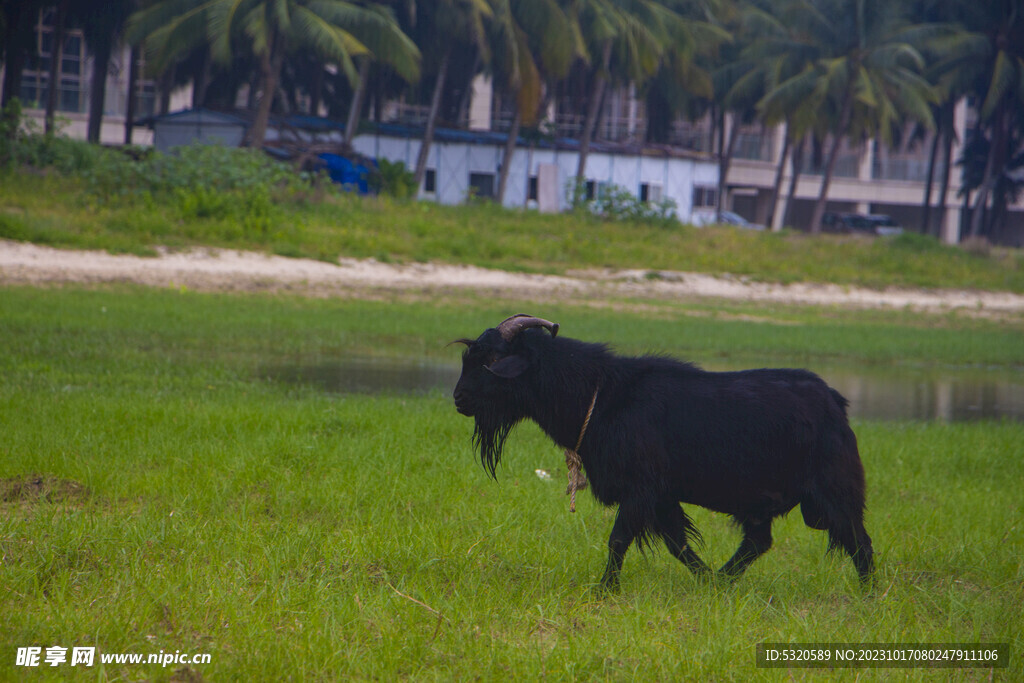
(705, 196)
(145, 98)
(532, 190)
(481, 184)
(36, 76)
(430, 181)
(596, 189)
(650, 193)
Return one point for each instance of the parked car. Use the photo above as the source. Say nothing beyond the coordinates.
(732, 218)
(875, 223)
(883, 225)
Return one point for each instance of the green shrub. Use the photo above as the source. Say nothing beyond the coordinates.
(393, 179)
(21, 144)
(616, 203)
(204, 182)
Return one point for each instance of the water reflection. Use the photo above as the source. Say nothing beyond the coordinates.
(939, 396)
(874, 393)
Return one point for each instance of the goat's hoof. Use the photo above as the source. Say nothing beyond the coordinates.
(609, 586)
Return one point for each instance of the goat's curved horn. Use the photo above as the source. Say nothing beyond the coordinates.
(512, 326)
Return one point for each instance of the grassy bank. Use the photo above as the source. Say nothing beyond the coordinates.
(160, 494)
(72, 211)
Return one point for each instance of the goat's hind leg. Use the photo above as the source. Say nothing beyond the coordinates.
(845, 528)
(854, 539)
(757, 539)
(678, 532)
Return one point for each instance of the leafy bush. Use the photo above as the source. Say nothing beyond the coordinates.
(616, 203)
(394, 179)
(21, 144)
(195, 168)
(204, 182)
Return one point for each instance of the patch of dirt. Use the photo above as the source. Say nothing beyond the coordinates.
(229, 271)
(34, 489)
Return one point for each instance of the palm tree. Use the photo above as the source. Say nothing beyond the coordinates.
(102, 23)
(450, 22)
(954, 56)
(862, 75)
(379, 42)
(776, 51)
(18, 40)
(626, 40)
(998, 84)
(533, 42)
(335, 29)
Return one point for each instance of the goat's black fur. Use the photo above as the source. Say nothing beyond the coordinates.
(752, 444)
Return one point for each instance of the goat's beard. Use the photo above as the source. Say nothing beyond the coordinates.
(489, 435)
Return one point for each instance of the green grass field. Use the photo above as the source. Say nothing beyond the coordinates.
(49, 208)
(159, 494)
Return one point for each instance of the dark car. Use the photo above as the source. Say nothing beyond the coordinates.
(875, 223)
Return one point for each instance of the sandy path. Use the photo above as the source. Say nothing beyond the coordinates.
(230, 270)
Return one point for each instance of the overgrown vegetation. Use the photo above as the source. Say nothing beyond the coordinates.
(158, 492)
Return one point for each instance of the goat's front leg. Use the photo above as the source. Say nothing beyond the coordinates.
(618, 543)
(757, 539)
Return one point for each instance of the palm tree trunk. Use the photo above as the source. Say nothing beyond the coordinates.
(18, 40)
(779, 172)
(724, 162)
(133, 79)
(510, 150)
(830, 164)
(926, 208)
(593, 107)
(270, 74)
(798, 167)
(435, 106)
(993, 169)
(947, 154)
(316, 95)
(357, 101)
(98, 88)
(56, 57)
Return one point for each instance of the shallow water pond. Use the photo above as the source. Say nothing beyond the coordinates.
(888, 393)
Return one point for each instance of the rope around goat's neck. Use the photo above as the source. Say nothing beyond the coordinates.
(578, 480)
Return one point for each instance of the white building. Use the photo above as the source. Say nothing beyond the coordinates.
(541, 175)
(463, 164)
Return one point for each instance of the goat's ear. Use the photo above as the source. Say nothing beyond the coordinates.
(509, 366)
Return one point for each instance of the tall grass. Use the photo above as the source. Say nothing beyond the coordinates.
(158, 493)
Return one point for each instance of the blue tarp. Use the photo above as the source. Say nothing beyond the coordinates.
(352, 176)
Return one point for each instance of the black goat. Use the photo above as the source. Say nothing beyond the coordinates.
(752, 444)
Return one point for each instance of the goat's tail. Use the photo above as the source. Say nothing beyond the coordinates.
(840, 400)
